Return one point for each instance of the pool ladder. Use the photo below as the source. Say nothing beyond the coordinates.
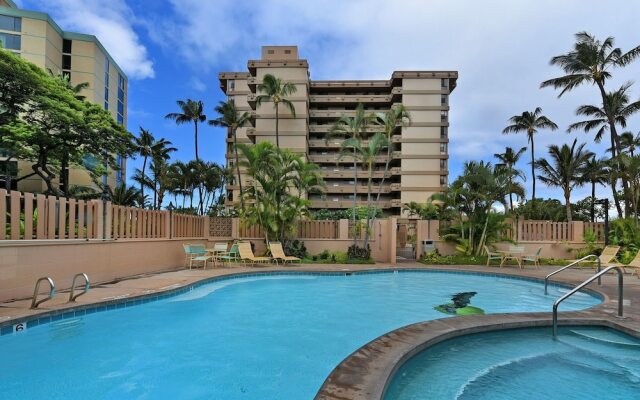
(585, 258)
(52, 289)
(598, 276)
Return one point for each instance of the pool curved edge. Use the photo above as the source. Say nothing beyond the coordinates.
(367, 372)
(75, 310)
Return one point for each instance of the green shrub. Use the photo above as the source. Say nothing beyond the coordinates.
(295, 248)
(359, 253)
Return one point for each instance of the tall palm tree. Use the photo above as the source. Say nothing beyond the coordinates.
(276, 91)
(390, 121)
(367, 154)
(353, 128)
(147, 146)
(509, 159)
(191, 111)
(565, 170)
(124, 195)
(232, 119)
(617, 108)
(590, 61)
(596, 173)
(530, 122)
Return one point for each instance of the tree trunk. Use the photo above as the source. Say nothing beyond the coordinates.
(195, 125)
(355, 195)
(144, 167)
(64, 173)
(533, 168)
(235, 149)
(384, 174)
(369, 216)
(567, 202)
(277, 123)
(593, 201)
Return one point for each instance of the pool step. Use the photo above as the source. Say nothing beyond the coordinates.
(606, 336)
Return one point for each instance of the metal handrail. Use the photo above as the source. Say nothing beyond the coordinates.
(546, 279)
(73, 298)
(582, 285)
(52, 292)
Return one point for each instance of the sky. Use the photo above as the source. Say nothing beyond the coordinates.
(174, 49)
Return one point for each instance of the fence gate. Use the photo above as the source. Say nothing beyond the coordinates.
(406, 240)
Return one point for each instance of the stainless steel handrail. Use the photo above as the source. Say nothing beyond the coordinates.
(582, 285)
(73, 298)
(52, 291)
(546, 279)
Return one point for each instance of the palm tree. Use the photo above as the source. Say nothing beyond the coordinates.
(124, 195)
(353, 128)
(147, 146)
(596, 172)
(530, 122)
(275, 90)
(390, 120)
(232, 119)
(565, 170)
(629, 142)
(616, 107)
(191, 111)
(76, 89)
(367, 155)
(590, 62)
(509, 159)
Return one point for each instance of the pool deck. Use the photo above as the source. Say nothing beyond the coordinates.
(365, 373)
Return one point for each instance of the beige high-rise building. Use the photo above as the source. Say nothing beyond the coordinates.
(35, 37)
(419, 165)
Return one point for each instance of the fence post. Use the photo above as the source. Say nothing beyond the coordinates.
(577, 232)
(100, 220)
(205, 227)
(393, 222)
(107, 212)
(235, 222)
(343, 229)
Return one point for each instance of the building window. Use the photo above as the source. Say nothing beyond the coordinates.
(120, 119)
(106, 105)
(444, 82)
(67, 75)
(443, 132)
(443, 180)
(443, 165)
(120, 82)
(443, 99)
(106, 94)
(66, 46)
(120, 162)
(270, 52)
(443, 148)
(443, 115)
(232, 86)
(10, 42)
(120, 107)
(287, 52)
(10, 23)
(66, 61)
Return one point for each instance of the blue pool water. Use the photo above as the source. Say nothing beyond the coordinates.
(267, 337)
(583, 363)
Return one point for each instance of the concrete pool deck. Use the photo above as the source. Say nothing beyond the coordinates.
(365, 374)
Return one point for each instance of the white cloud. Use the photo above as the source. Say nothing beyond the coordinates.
(110, 21)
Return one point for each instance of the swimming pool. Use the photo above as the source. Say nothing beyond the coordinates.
(583, 363)
(274, 336)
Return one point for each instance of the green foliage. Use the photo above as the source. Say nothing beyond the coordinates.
(591, 247)
(434, 258)
(358, 252)
(336, 257)
(625, 232)
(295, 248)
(44, 122)
(361, 213)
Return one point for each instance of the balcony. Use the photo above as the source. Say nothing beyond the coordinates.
(335, 143)
(338, 99)
(348, 174)
(334, 158)
(362, 189)
(349, 204)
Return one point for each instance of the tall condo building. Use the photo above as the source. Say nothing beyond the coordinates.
(35, 37)
(419, 165)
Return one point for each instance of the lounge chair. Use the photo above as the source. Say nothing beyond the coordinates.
(277, 252)
(197, 253)
(534, 258)
(246, 255)
(607, 256)
(492, 255)
(634, 264)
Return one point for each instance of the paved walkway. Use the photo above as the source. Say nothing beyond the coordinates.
(365, 373)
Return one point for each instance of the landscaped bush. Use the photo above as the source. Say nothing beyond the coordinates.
(295, 248)
(336, 257)
(359, 253)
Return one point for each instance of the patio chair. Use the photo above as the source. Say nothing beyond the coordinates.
(534, 258)
(231, 256)
(189, 252)
(246, 255)
(634, 265)
(514, 253)
(197, 253)
(277, 252)
(492, 255)
(219, 250)
(607, 256)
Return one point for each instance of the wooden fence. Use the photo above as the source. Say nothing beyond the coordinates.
(542, 231)
(137, 223)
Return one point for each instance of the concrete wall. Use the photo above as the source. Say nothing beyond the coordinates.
(22, 263)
